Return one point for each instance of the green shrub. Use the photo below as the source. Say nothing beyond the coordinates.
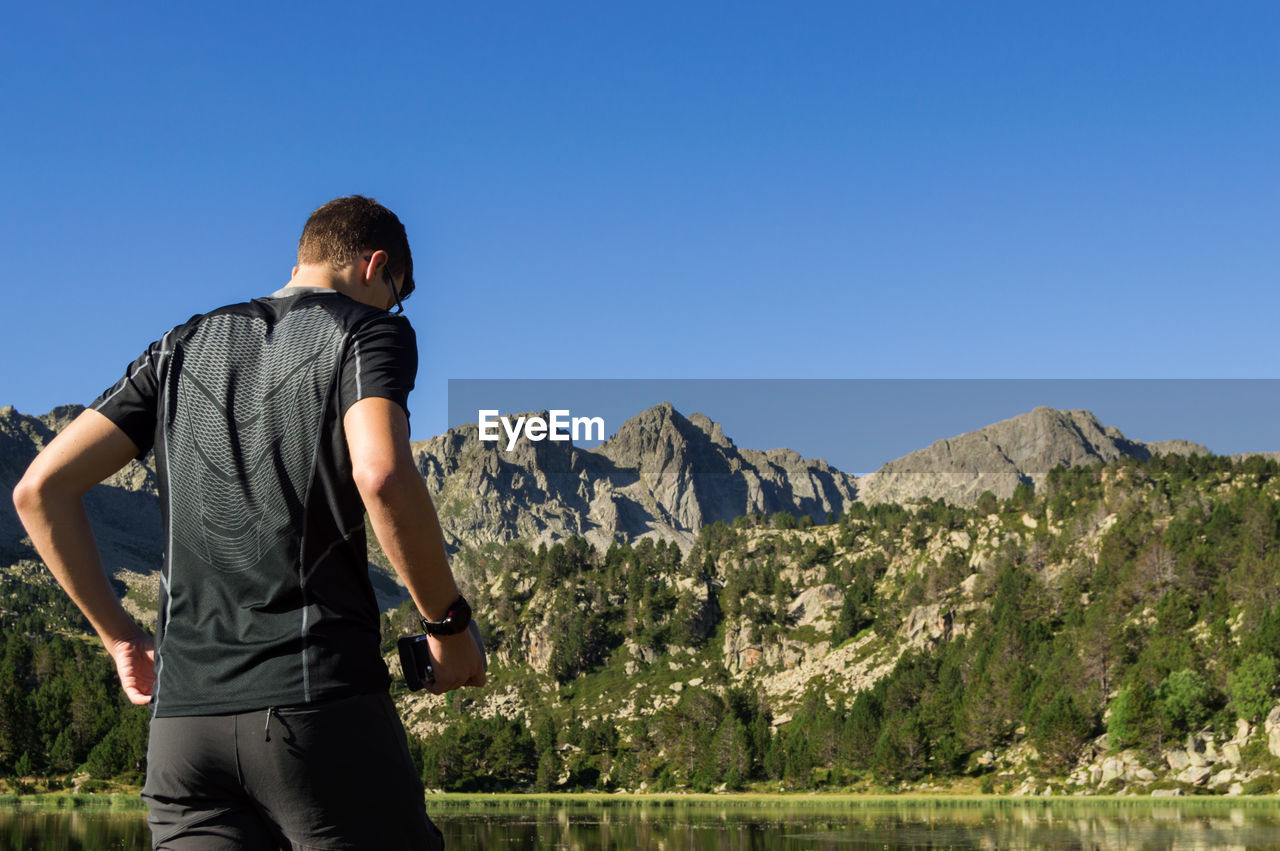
(1185, 700)
(1252, 685)
(1264, 785)
(1131, 721)
(1062, 729)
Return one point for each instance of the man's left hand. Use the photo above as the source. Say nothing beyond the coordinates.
(457, 661)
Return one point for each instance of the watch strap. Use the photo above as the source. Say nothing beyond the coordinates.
(455, 620)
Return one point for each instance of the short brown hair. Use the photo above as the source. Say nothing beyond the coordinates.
(342, 230)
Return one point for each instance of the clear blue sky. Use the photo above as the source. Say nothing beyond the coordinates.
(683, 190)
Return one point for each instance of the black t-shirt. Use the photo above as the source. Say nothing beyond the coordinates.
(265, 597)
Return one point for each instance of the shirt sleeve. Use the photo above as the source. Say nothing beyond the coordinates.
(130, 403)
(381, 361)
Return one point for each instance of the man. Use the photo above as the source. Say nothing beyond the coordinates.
(276, 423)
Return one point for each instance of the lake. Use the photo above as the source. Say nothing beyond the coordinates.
(759, 824)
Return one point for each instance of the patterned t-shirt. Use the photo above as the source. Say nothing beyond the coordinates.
(265, 596)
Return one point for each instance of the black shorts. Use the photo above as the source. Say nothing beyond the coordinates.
(335, 775)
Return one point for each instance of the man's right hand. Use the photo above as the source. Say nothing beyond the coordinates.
(457, 662)
(136, 665)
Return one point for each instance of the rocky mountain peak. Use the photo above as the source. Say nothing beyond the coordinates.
(660, 430)
(661, 475)
(61, 416)
(711, 429)
(1000, 456)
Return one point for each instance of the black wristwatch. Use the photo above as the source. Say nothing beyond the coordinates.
(455, 621)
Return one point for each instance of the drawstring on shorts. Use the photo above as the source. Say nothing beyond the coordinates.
(267, 730)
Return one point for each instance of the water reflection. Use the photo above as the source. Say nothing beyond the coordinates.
(882, 825)
(671, 825)
(74, 831)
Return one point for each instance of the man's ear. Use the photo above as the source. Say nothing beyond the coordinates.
(373, 271)
(294, 273)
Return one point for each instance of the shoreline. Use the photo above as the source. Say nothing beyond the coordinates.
(121, 802)
(851, 800)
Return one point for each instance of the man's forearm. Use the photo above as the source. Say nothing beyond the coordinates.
(405, 521)
(406, 524)
(59, 528)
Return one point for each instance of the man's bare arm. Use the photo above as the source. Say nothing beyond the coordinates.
(405, 521)
(50, 503)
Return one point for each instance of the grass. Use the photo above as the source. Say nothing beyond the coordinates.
(144, 597)
(808, 634)
(72, 801)
(792, 800)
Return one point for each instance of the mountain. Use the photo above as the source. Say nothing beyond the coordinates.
(124, 509)
(662, 475)
(1001, 456)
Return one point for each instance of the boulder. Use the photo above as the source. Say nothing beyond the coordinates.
(925, 625)
(1272, 728)
(643, 654)
(537, 648)
(821, 603)
(1177, 759)
(1167, 793)
(742, 648)
(1196, 775)
(1231, 753)
(1224, 776)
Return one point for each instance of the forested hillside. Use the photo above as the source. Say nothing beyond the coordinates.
(62, 711)
(1119, 630)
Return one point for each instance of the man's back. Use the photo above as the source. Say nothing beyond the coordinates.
(266, 599)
